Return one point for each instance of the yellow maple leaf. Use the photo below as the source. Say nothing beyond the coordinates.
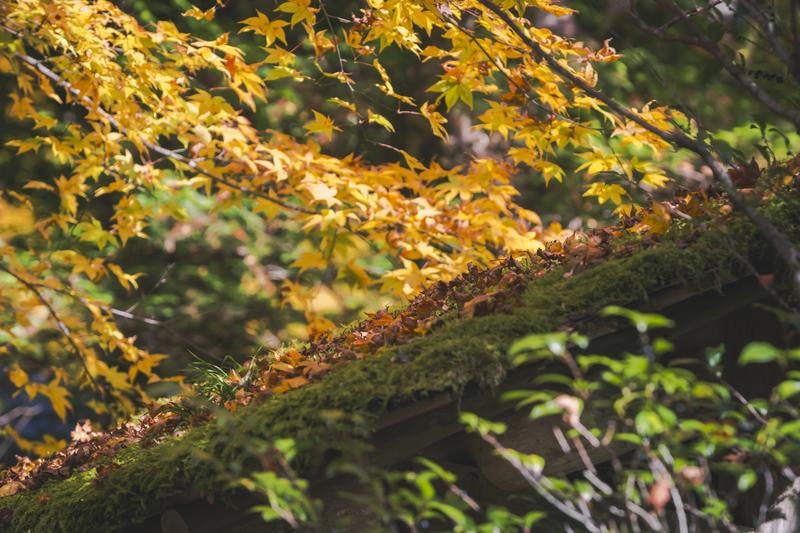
(14, 220)
(118, 380)
(322, 192)
(300, 11)
(69, 189)
(93, 232)
(655, 179)
(310, 259)
(18, 376)
(500, 118)
(272, 30)
(404, 281)
(321, 124)
(197, 13)
(342, 103)
(144, 364)
(128, 281)
(605, 192)
(57, 395)
(656, 221)
(376, 118)
(435, 119)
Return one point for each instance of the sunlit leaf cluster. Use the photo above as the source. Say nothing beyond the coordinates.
(130, 115)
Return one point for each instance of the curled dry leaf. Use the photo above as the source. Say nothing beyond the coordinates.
(693, 475)
(571, 407)
(659, 495)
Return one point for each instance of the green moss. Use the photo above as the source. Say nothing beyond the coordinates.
(341, 410)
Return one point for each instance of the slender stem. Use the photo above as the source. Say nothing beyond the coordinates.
(564, 507)
(782, 245)
(739, 74)
(774, 40)
(60, 323)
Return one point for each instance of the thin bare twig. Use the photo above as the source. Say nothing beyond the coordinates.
(690, 13)
(338, 52)
(739, 74)
(774, 40)
(26, 415)
(785, 249)
(19, 412)
(534, 480)
(59, 323)
(700, 40)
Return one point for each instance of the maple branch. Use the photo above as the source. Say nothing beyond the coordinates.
(690, 13)
(701, 40)
(785, 249)
(128, 315)
(172, 155)
(775, 43)
(454, 23)
(338, 51)
(60, 323)
(24, 415)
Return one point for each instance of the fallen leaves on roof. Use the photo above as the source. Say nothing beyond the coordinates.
(477, 292)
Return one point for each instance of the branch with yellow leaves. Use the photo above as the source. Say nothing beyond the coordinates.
(166, 153)
(171, 155)
(59, 323)
(785, 249)
(127, 315)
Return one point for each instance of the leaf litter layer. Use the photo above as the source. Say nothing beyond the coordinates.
(453, 335)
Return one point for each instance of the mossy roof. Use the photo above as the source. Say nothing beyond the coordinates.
(345, 406)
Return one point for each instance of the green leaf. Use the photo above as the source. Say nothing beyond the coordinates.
(633, 438)
(667, 416)
(715, 507)
(526, 397)
(559, 379)
(794, 353)
(588, 361)
(530, 461)
(787, 389)
(478, 425)
(555, 343)
(533, 517)
(758, 352)
(426, 489)
(662, 346)
(546, 409)
(648, 423)
(746, 480)
(790, 429)
(286, 447)
(714, 355)
(445, 475)
(268, 514)
(642, 321)
(454, 514)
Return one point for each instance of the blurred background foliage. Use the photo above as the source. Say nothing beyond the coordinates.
(211, 272)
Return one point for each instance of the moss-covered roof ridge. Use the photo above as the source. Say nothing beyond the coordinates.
(346, 404)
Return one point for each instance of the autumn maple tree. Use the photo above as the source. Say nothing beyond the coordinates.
(130, 115)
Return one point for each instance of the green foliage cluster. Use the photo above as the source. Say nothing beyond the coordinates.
(688, 450)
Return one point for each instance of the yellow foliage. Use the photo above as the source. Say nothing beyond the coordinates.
(138, 87)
